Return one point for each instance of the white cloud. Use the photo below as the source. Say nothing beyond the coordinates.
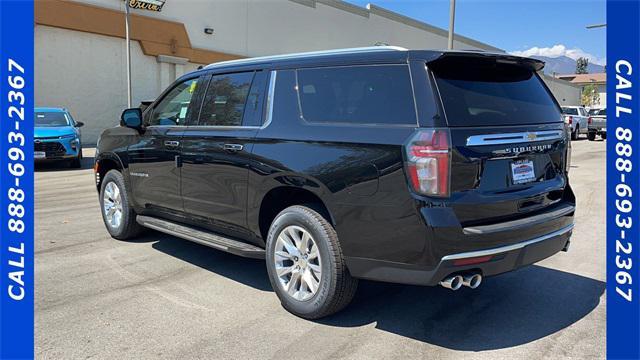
(560, 50)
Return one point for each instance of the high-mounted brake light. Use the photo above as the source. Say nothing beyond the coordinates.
(429, 162)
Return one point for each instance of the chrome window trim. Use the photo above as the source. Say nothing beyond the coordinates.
(508, 248)
(223, 127)
(269, 114)
(514, 138)
(270, 97)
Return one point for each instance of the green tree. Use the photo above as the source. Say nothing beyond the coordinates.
(581, 65)
(590, 95)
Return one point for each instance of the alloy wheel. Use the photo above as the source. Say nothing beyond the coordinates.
(112, 205)
(297, 263)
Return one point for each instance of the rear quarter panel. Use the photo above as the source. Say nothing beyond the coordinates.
(362, 185)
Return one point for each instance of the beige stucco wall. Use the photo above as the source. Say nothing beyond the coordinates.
(565, 92)
(266, 27)
(86, 74)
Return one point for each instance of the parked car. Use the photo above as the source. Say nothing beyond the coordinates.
(597, 124)
(577, 118)
(413, 167)
(57, 136)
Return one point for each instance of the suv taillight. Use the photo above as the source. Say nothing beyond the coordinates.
(429, 162)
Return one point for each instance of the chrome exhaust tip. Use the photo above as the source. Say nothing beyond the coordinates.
(452, 282)
(472, 280)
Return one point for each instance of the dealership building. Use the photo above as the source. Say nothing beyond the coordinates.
(80, 51)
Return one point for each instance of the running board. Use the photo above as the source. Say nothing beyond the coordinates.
(203, 237)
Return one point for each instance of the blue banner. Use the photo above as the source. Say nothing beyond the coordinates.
(16, 179)
(623, 180)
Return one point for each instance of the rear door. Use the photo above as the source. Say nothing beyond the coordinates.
(216, 152)
(508, 139)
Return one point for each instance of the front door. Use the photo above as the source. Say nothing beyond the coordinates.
(154, 163)
(216, 153)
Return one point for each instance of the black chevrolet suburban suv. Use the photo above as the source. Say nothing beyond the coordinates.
(405, 166)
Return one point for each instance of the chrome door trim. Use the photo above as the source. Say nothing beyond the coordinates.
(514, 138)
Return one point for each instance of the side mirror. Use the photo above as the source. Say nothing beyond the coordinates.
(79, 124)
(132, 118)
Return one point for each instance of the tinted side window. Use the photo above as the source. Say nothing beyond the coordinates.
(255, 100)
(225, 99)
(173, 109)
(357, 95)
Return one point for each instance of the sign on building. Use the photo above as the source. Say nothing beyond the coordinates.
(153, 5)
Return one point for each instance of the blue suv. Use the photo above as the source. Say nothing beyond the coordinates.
(57, 136)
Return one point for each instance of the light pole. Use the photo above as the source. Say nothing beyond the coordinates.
(128, 41)
(452, 16)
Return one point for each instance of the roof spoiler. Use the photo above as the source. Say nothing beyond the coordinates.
(529, 63)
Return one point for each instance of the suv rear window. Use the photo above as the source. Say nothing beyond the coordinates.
(478, 92)
(377, 94)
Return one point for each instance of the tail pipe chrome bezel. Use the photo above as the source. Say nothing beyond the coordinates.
(453, 282)
(472, 280)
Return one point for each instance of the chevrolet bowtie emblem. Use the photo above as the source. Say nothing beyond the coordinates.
(532, 136)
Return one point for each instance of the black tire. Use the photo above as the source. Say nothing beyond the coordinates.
(576, 133)
(603, 136)
(127, 228)
(591, 135)
(336, 287)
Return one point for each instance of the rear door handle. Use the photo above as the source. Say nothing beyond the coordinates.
(171, 143)
(233, 147)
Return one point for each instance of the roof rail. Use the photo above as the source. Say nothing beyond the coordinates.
(259, 59)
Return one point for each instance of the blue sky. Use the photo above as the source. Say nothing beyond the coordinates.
(517, 25)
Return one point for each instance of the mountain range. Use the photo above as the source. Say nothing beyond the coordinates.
(565, 65)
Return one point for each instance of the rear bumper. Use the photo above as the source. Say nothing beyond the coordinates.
(500, 260)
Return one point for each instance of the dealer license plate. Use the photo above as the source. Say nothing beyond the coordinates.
(39, 154)
(522, 171)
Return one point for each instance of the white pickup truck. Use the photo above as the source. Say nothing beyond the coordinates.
(577, 118)
(597, 124)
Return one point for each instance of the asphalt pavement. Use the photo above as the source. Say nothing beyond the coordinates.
(162, 297)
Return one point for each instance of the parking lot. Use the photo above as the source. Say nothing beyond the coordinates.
(162, 297)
